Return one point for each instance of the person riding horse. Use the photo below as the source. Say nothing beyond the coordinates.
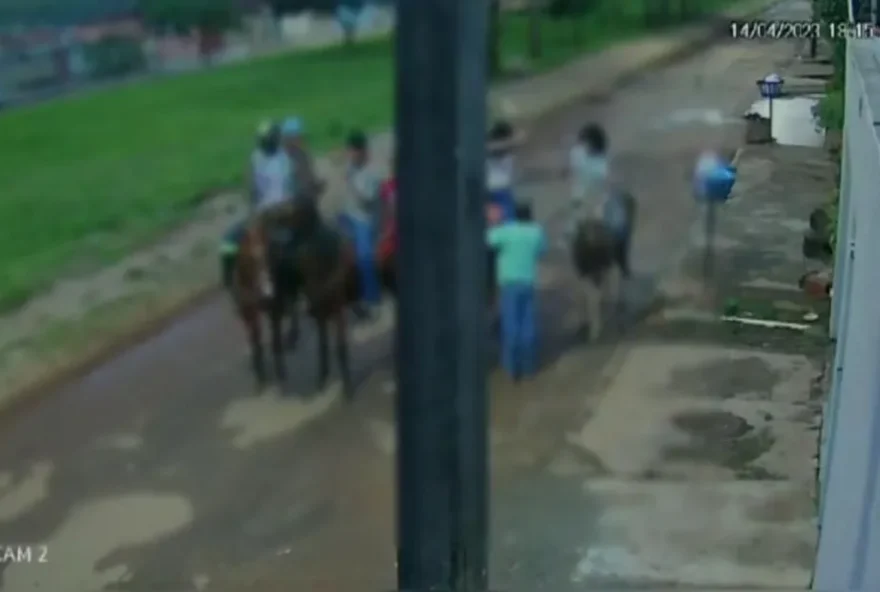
(306, 183)
(360, 217)
(269, 184)
(601, 225)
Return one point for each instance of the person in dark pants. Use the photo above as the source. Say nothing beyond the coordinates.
(519, 245)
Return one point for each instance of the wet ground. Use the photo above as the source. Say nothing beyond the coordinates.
(642, 459)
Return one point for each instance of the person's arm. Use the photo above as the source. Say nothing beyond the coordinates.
(495, 236)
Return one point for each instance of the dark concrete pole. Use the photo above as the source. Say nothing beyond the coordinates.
(442, 329)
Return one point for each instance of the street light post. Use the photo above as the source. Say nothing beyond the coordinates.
(442, 330)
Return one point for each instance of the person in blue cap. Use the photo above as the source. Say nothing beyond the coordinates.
(519, 245)
(306, 184)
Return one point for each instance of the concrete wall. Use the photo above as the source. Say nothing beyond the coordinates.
(849, 542)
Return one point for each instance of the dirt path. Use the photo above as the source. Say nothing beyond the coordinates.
(161, 471)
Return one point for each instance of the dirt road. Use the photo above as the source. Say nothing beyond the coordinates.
(163, 471)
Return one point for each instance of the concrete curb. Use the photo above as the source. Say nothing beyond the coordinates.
(164, 314)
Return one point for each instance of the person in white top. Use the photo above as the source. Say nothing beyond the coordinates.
(589, 172)
(271, 172)
(268, 179)
(594, 195)
(501, 167)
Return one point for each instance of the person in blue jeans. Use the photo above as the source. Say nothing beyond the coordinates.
(360, 217)
(519, 246)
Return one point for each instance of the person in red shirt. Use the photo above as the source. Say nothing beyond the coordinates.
(388, 195)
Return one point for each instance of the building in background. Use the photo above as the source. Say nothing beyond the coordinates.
(47, 46)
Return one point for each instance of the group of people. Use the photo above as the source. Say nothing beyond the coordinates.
(281, 171)
(520, 242)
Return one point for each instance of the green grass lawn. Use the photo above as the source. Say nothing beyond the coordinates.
(84, 180)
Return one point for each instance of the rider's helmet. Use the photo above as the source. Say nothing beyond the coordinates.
(292, 127)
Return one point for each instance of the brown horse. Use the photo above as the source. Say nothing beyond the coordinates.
(263, 286)
(318, 262)
(326, 265)
(601, 258)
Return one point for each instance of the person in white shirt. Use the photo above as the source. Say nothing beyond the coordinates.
(268, 179)
(500, 169)
(271, 172)
(589, 171)
(593, 195)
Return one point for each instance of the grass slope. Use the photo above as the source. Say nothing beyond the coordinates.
(84, 180)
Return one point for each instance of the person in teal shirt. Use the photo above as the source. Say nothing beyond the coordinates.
(519, 245)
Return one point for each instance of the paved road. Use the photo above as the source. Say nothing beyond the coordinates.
(163, 471)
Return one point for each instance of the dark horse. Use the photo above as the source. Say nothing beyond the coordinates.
(319, 263)
(262, 286)
(601, 258)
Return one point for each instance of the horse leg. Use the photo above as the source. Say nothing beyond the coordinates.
(323, 355)
(252, 323)
(276, 320)
(614, 285)
(342, 354)
(592, 292)
(292, 338)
